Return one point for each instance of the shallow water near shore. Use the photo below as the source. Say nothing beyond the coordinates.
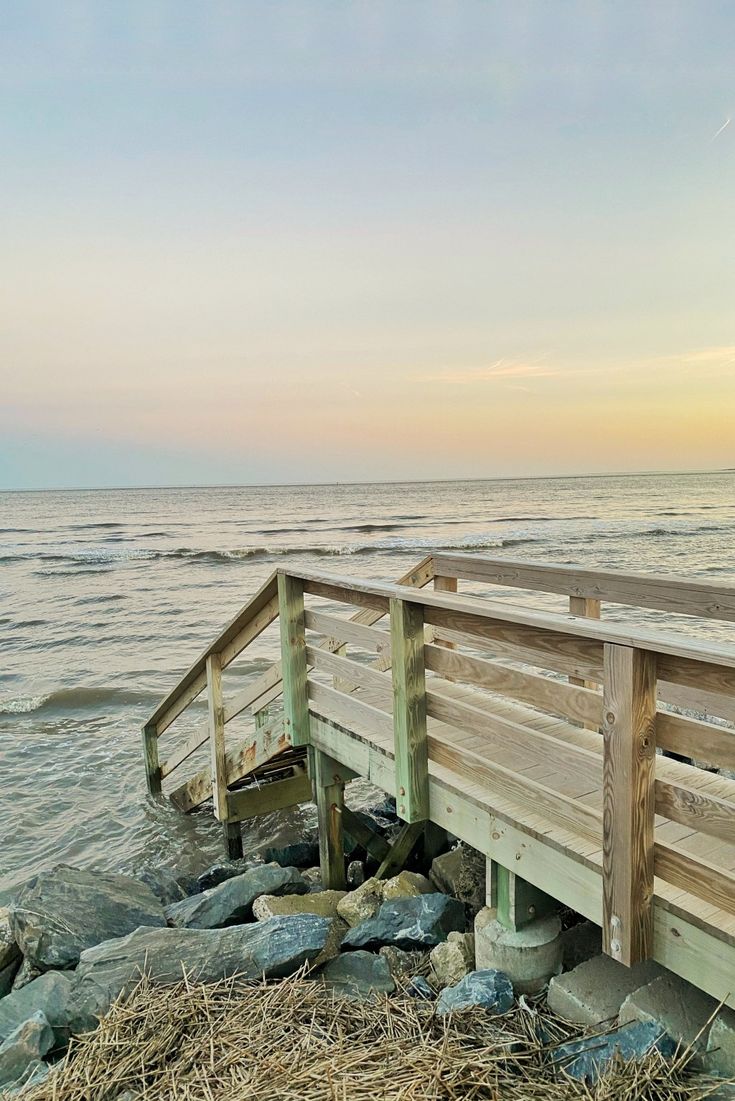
(107, 596)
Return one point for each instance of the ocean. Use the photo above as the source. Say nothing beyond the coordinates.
(107, 595)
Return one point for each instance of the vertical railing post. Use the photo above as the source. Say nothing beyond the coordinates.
(629, 750)
(444, 584)
(329, 791)
(409, 710)
(293, 659)
(216, 716)
(151, 760)
(591, 608)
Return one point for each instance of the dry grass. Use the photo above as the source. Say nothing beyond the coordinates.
(295, 1041)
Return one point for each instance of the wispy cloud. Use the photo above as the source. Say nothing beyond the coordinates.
(502, 370)
(715, 360)
(724, 126)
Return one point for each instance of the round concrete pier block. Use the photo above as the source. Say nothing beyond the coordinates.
(529, 957)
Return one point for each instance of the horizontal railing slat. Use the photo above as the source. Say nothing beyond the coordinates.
(687, 596)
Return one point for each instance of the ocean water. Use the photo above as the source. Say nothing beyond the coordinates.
(107, 596)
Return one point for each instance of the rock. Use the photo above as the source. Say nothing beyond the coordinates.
(579, 943)
(595, 990)
(48, 994)
(407, 885)
(461, 873)
(419, 988)
(313, 878)
(10, 953)
(490, 990)
(273, 949)
(29, 1042)
(402, 964)
(57, 914)
(453, 959)
(163, 883)
(323, 903)
(36, 1072)
(589, 1058)
(359, 905)
(299, 854)
(358, 975)
(231, 902)
(7, 977)
(26, 973)
(721, 1044)
(675, 1006)
(409, 923)
(222, 871)
(355, 874)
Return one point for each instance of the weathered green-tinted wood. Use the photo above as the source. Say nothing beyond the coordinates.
(409, 710)
(232, 836)
(518, 902)
(150, 760)
(250, 802)
(372, 842)
(491, 883)
(329, 790)
(216, 718)
(293, 659)
(628, 802)
(400, 850)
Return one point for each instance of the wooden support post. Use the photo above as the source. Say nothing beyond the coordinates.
(591, 608)
(400, 850)
(409, 710)
(329, 790)
(445, 585)
(519, 903)
(151, 761)
(293, 659)
(491, 883)
(232, 832)
(216, 715)
(629, 750)
(372, 842)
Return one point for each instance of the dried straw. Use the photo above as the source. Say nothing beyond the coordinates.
(295, 1040)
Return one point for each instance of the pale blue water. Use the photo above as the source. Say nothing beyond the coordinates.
(105, 596)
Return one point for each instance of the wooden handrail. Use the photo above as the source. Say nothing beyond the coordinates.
(684, 595)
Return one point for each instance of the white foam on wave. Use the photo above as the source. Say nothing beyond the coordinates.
(22, 705)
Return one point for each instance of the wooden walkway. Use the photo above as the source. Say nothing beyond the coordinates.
(530, 735)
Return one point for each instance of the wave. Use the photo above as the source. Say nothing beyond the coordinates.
(73, 699)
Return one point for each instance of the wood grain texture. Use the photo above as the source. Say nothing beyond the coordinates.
(669, 594)
(153, 772)
(694, 808)
(293, 659)
(329, 792)
(629, 716)
(409, 710)
(251, 802)
(591, 609)
(445, 585)
(216, 719)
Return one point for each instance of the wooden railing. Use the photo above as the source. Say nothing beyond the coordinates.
(439, 638)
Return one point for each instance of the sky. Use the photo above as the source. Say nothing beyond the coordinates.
(254, 242)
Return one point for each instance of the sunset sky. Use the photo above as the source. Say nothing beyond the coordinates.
(316, 241)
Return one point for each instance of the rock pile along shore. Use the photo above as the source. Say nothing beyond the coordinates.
(72, 942)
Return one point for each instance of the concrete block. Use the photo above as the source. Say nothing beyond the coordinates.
(682, 1009)
(529, 956)
(595, 990)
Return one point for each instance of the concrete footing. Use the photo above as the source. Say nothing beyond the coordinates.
(529, 957)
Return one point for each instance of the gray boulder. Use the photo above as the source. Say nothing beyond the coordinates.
(7, 977)
(589, 1058)
(164, 884)
(421, 988)
(409, 923)
(27, 1044)
(299, 854)
(231, 902)
(272, 949)
(358, 975)
(9, 950)
(26, 973)
(489, 989)
(48, 994)
(57, 914)
(220, 872)
(461, 873)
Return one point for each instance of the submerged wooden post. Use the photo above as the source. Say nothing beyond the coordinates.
(329, 789)
(216, 713)
(629, 751)
(409, 710)
(232, 833)
(293, 659)
(151, 761)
